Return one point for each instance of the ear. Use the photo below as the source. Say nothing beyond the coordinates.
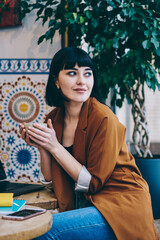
(57, 84)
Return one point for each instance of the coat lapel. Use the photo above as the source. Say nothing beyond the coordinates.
(60, 180)
(79, 145)
(58, 124)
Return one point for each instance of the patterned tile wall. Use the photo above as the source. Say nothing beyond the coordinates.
(22, 90)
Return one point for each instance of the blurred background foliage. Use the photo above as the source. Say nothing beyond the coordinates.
(122, 37)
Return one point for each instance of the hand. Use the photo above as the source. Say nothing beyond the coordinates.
(44, 137)
(25, 136)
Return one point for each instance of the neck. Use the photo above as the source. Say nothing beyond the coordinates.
(72, 111)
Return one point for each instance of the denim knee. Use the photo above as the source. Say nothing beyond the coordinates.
(85, 223)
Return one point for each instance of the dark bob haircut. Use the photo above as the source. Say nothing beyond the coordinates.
(67, 58)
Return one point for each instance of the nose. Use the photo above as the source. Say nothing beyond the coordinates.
(80, 79)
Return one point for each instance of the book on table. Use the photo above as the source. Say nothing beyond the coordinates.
(6, 199)
(17, 205)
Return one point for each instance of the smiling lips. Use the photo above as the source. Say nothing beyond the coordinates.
(80, 90)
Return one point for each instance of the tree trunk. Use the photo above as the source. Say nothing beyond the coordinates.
(140, 135)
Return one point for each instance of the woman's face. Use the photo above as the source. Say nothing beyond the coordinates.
(76, 84)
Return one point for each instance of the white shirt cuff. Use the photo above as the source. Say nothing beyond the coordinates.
(45, 183)
(83, 182)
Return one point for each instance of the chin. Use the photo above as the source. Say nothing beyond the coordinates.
(81, 99)
(78, 98)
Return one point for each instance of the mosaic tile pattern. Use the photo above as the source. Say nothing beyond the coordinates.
(29, 66)
(21, 100)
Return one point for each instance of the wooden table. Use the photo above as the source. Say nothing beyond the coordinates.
(27, 229)
(44, 199)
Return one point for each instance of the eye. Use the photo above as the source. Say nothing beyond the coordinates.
(88, 73)
(71, 73)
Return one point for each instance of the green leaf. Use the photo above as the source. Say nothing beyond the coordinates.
(81, 20)
(74, 2)
(155, 23)
(131, 12)
(118, 1)
(109, 43)
(158, 51)
(88, 14)
(125, 11)
(41, 38)
(45, 18)
(119, 103)
(123, 35)
(158, 86)
(156, 43)
(48, 12)
(147, 33)
(111, 3)
(115, 43)
(24, 4)
(94, 22)
(40, 11)
(154, 34)
(51, 23)
(50, 33)
(146, 44)
(153, 87)
(75, 16)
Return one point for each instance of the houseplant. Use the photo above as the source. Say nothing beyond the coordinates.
(123, 40)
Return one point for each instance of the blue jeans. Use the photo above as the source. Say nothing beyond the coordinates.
(84, 223)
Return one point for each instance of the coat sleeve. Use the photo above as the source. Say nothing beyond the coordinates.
(103, 152)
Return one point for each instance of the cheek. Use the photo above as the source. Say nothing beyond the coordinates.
(65, 86)
(63, 83)
(91, 83)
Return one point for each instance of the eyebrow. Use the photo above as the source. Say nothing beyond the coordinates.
(90, 69)
(87, 68)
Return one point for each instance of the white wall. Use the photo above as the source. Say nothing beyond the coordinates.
(152, 103)
(21, 41)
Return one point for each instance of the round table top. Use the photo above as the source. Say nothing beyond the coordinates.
(27, 229)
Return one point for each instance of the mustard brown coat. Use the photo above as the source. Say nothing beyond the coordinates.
(117, 188)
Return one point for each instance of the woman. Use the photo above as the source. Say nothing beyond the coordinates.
(85, 157)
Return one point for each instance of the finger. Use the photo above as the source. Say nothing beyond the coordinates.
(41, 127)
(23, 134)
(27, 139)
(21, 127)
(37, 134)
(36, 141)
(38, 130)
(49, 123)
